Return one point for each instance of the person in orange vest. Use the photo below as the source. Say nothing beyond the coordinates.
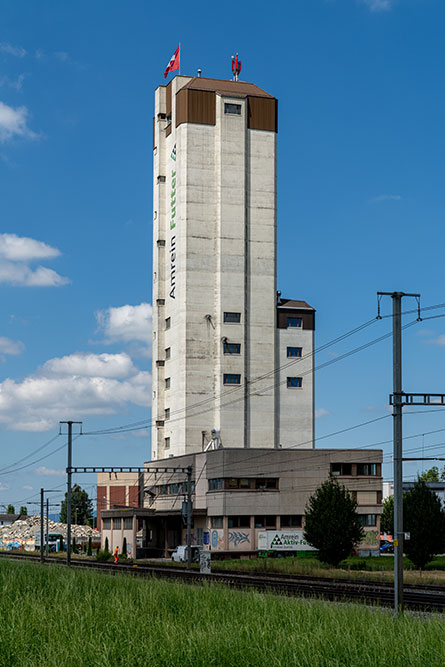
(116, 555)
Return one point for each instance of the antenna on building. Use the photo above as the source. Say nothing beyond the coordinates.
(199, 73)
(236, 67)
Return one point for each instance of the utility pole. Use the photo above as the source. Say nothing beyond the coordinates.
(189, 517)
(69, 473)
(41, 525)
(397, 448)
(47, 527)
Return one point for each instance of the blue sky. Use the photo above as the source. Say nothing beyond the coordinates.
(360, 206)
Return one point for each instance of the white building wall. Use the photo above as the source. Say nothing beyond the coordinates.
(214, 252)
(296, 405)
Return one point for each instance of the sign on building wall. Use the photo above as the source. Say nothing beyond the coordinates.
(281, 540)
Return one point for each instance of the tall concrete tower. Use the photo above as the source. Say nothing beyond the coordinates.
(217, 322)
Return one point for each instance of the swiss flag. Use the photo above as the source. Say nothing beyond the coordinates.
(173, 64)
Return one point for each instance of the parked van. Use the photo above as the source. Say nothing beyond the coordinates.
(180, 554)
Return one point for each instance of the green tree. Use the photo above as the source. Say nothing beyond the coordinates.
(332, 524)
(81, 507)
(11, 509)
(61, 544)
(24, 510)
(424, 519)
(89, 549)
(387, 517)
(74, 546)
(431, 475)
(107, 548)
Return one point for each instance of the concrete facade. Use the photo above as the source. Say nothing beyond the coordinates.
(216, 344)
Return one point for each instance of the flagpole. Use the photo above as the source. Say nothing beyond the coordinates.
(179, 58)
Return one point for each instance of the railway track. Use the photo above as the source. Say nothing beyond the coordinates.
(425, 598)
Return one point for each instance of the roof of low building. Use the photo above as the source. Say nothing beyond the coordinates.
(9, 517)
(293, 303)
(225, 87)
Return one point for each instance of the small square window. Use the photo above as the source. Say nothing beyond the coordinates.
(217, 522)
(167, 383)
(294, 351)
(161, 179)
(294, 322)
(232, 378)
(232, 109)
(232, 348)
(294, 383)
(232, 318)
(167, 352)
(167, 413)
(168, 323)
(166, 443)
(117, 524)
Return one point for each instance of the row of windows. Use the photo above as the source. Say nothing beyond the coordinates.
(261, 521)
(117, 523)
(243, 483)
(359, 469)
(173, 489)
(235, 348)
(235, 378)
(235, 318)
(368, 519)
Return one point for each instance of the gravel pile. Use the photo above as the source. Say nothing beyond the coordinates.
(26, 528)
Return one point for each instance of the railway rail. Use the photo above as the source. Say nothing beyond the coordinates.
(425, 598)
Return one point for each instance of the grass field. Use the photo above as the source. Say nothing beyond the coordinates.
(55, 617)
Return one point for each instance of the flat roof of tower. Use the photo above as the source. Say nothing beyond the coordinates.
(226, 87)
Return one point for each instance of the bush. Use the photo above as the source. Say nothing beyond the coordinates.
(107, 548)
(89, 549)
(103, 556)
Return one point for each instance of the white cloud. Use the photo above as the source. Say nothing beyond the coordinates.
(380, 198)
(27, 487)
(23, 248)
(16, 84)
(8, 346)
(322, 412)
(14, 123)
(379, 5)
(50, 472)
(17, 51)
(15, 254)
(127, 324)
(16, 273)
(77, 385)
(3, 487)
(440, 340)
(91, 365)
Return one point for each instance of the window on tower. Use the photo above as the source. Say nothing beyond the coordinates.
(232, 109)
(167, 443)
(232, 318)
(167, 352)
(232, 378)
(168, 323)
(167, 383)
(292, 322)
(294, 383)
(294, 351)
(232, 348)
